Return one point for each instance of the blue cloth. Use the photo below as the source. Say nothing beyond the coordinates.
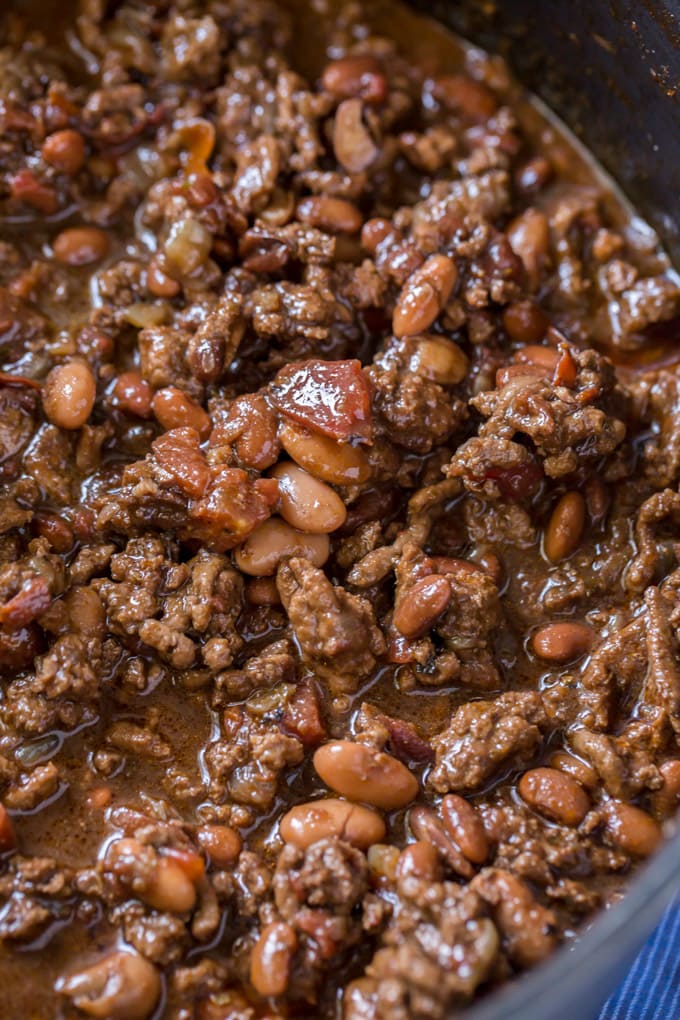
(651, 990)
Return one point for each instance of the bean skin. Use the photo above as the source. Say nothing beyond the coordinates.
(357, 76)
(274, 540)
(529, 237)
(562, 642)
(465, 827)
(221, 843)
(525, 322)
(425, 825)
(307, 503)
(336, 215)
(175, 410)
(133, 394)
(69, 394)
(307, 823)
(365, 774)
(422, 605)
(555, 795)
(271, 960)
(576, 768)
(438, 359)
(424, 295)
(632, 829)
(65, 151)
(338, 463)
(565, 527)
(419, 860)
(121, 986)
(352, 143)
(159, 283)
(81, 246)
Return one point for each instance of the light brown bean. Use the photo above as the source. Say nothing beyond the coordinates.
(357, 76)
(221, 843)
(535, 354)
(565, 527)
(422, 605)
(465, 827)
(175, 410)
(529, 237)
(271, 960)
(419, 860)
(632, 829)
(275, 540)
(667, 800)
(121, 986)
(262, 591)
(579, 770)
(69, 394)
(132, 394)
(464, 94)
(307, 823)
(64, 150)
(159, 283)
(555, 795)
(426, 826)
(81, 246)
(562, 642)
(365, 774)
(525, 322)
(438, 359)
(509, 373)
(424, 295)
(336, 215)
(338, 463)
(307, 503)
(170, 889)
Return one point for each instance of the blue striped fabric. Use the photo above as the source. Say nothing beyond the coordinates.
(652, 989)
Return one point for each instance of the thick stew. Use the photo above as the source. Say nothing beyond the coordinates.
(339, 518)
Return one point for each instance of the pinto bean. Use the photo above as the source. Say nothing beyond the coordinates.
(555, 795)
(159, 283)
(529, 237)
(64, 150)
(422, 605)
(666, 801)
(354, 148)
(274, 540)
(221, 843)
(262, 591)
(460, 92)
(336, 215)
(632, 829)
(121, 986)
(81, 246)
(171, 889)
(419, 860)
(565, 527)
(338, 463)
(562, 642)
(365, 774)
(465, 827)
(69, 394)
(175, 410)
(525, 322)
(523, 371)
(56, 530)
(579, 770)
(355, 77)
(307, 503)
(272, 958)
(132, 394)
(424, 295)
(307, 823)
(427, 827)
(438, 359)
(543, 357)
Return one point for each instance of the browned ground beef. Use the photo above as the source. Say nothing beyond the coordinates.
(339, 519)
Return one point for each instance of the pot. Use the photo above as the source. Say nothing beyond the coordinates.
(607, 70)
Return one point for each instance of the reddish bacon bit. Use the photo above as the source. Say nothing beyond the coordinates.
(191, 863)
(330, 397)
(302, 716)
(178, 453)
(26, 187)
(6, 379)
(27, 605)
(519, 484)
(232, 508)
(405, 741)
(19, 648)
(565, 372)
